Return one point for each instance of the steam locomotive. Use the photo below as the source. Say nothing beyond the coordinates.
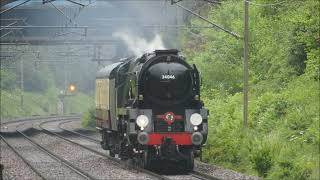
(148, 108)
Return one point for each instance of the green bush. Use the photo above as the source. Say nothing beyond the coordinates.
(8, 79)
(40, 104)
(282, 138)
(88, 119)
(262, 160)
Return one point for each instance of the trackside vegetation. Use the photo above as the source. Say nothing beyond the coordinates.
(41, 92)
(282, 138)
(89, 119)
(45, 103)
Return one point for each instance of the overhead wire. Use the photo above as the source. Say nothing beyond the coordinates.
(6, 10)
(213, 24)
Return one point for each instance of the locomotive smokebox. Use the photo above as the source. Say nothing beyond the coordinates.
(167, 78)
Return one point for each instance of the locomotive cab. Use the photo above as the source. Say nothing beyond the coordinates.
(150, 108)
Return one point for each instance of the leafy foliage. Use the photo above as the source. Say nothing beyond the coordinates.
(262, 160)
(40, 104)
(88, 118)
(8, 79)
(282, 140)
(43, 81)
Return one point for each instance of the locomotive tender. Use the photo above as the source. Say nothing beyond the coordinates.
(149, 108)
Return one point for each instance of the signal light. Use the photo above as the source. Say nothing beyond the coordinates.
(72, 88)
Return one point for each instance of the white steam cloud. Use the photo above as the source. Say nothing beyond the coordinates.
(139, 45)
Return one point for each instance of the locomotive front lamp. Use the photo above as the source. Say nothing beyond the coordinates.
(196, 119)
(142, 121)
(195, 128)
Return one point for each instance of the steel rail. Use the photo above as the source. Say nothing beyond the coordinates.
(195, 174)
(74, 132)
(69, 118)
(56, 157)
(22, 158)
(37, 118)
(102, 154)
(50, 118)
(22, 121)
(201, 175)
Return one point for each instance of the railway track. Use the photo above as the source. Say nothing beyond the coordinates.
(195, 174)
(77, 133)
(203, 176)
(41, 156)
(39, 118)
(81, 174)
(122, 164)
(155, 176)
(22, 157)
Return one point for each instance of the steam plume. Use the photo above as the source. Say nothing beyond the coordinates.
(139, 45)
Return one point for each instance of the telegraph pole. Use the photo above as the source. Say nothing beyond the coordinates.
(245, 63)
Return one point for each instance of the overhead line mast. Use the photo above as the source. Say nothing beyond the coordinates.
(245, 63)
